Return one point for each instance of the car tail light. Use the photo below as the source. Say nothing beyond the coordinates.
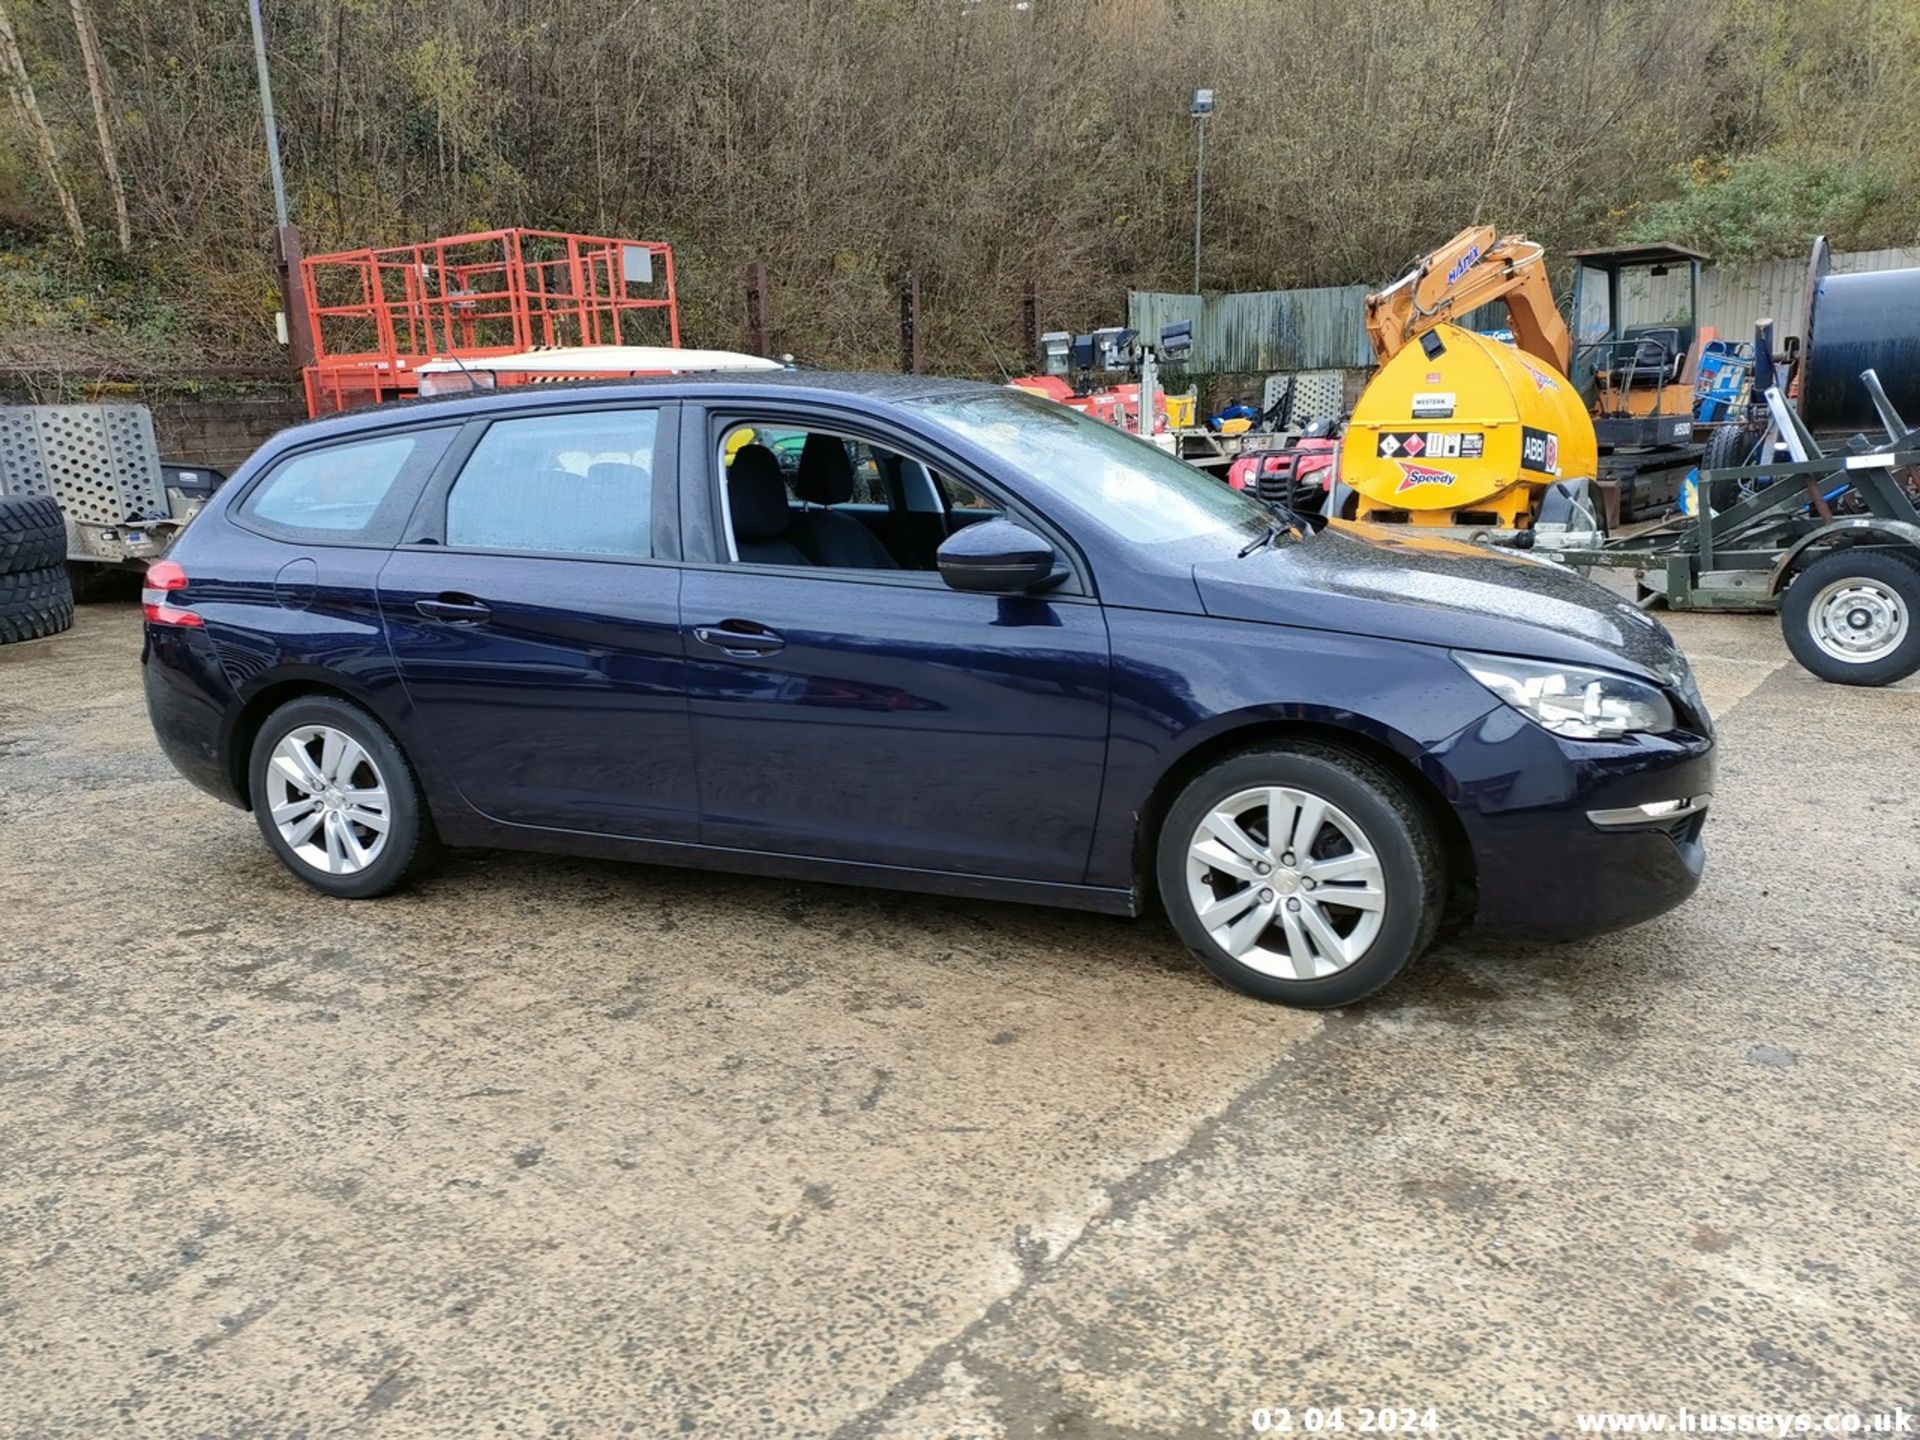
(163, 578)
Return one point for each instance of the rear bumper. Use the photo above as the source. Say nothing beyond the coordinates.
(1546, 868)
(189, 700)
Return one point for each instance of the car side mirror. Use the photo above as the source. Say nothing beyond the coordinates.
(996, 557)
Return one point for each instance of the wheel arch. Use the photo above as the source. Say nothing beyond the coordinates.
(1253, 732)
(270, 697)
(1853, 530)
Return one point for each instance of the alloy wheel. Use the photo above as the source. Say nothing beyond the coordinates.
(1286, 882)
(328, 800)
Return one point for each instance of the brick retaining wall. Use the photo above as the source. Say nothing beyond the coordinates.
(198, 421)
(222, 433)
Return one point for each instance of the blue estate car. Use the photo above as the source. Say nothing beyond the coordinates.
(972, 643)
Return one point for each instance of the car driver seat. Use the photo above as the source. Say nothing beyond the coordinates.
(763, 521)
(825, 479)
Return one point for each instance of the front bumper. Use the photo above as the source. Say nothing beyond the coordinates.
(1546, 867)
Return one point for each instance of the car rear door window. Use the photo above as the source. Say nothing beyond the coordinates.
(357, 492)
(575, 484)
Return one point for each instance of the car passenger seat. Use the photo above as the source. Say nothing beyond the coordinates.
(763, 521)
(831, 538)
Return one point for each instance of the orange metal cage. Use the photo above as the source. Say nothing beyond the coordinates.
(376, 314)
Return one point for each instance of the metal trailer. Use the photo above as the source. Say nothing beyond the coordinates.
(1846, 584)
(102, 464)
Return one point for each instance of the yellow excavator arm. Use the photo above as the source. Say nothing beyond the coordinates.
(1474, 268)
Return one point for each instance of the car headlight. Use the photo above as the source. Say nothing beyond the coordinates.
(1572, 700)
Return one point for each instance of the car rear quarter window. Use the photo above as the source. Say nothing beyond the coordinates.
(351, 493)
(575, 484)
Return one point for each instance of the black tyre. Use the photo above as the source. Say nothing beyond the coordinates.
(35, 604)
(1728, 446)
(33, 533)
(1353, 884)
(1853, 616)
(337, 800)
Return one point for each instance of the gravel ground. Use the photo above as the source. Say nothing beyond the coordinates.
(565, 1148)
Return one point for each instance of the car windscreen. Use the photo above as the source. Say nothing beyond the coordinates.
(1126, 483)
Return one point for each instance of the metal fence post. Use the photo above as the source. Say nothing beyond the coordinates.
(1030, 325)
(912, 352)
(759, 310)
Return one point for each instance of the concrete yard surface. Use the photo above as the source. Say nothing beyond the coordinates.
(555, 1147)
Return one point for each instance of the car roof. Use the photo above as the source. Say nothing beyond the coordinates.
(867, 390)
(603, 361)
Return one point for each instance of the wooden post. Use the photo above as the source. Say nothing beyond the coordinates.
(912, 352)
(759, 310)
(293, 297)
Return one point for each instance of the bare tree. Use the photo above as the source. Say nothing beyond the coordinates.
(97, 93)
(20, 86)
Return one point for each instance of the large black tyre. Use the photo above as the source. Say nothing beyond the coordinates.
(1365, 811)
(1853, 616)
(398, 852)
(35, 604)
(33, 533)
(1728, 446)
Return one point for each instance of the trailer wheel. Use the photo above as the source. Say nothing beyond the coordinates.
(94, 581)
(1853, 616)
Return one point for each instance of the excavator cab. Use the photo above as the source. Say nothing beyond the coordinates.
(1637, 342)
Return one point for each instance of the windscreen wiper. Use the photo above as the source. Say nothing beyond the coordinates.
(1264, 538)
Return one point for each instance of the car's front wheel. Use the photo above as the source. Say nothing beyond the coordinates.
(336, 800)
(1306, 874)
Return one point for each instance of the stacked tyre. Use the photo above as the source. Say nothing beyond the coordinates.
(36, 598)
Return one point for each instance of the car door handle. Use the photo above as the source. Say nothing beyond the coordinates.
(458, 609)
(740, 637)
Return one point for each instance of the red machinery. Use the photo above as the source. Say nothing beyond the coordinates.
(1116, 405)
(1300, 474)
(376, 315)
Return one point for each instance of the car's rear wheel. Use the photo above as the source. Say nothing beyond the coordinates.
(1306, 875)
(336, 800)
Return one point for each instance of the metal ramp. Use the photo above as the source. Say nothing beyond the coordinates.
(101, 462)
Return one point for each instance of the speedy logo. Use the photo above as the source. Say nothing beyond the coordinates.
(1541, 382)
(1412, 475)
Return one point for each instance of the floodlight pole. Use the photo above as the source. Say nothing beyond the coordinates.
(1199, 191)
(266, 113)
(1149, 383)
(299, 336)
(1200, 106)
